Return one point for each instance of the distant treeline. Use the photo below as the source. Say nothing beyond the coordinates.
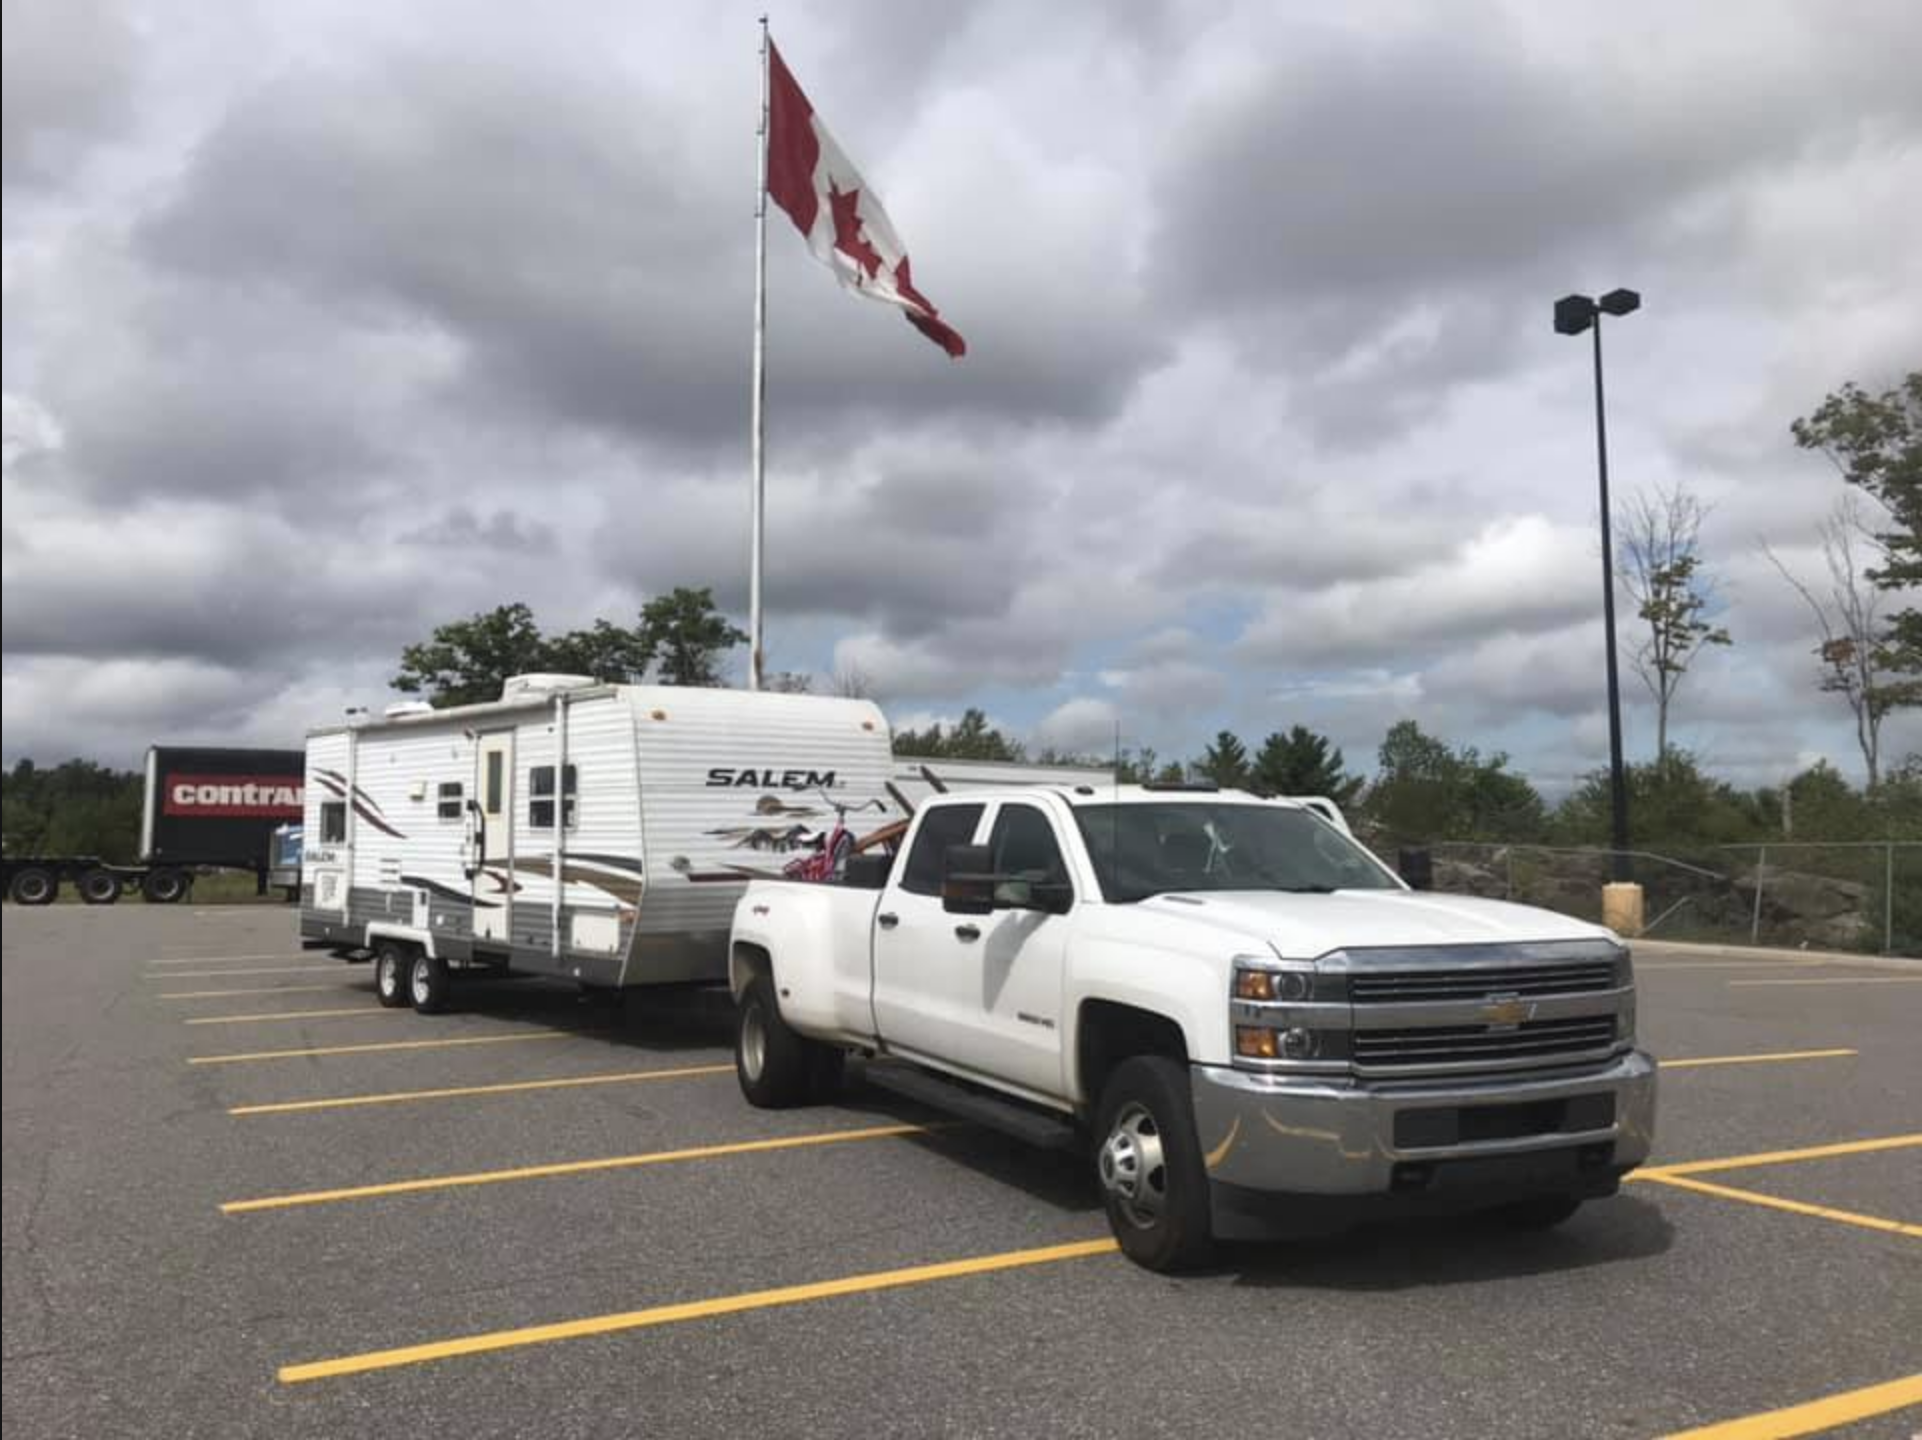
(78, 808)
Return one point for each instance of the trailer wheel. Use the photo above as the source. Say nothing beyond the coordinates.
(428, 983)
(391, 974)
(99, 887)
(35, 885)
(775, 1066)
(166, 886)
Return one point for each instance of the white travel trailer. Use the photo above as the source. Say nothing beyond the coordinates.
(600, 833)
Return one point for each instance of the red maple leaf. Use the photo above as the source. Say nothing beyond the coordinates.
(848, 236)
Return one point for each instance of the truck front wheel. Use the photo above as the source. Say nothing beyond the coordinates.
(776, 1067)
(34, 885)
(1149, 1163)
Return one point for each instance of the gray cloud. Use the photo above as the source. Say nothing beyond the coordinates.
(65, 86)
(414, 314)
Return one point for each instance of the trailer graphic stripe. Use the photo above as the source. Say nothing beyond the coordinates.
(572, 1167)
(694, 1310)
(382, 1045)
(285, 1107)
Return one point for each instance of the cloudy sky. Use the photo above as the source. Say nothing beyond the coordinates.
(326, 323)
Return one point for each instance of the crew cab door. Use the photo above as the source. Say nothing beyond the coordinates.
(921, 978)
(1021, 956)
(980, 994)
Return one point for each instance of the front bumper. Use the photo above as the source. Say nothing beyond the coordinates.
(1303, 1137)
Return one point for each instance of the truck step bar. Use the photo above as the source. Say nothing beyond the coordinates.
(1031, 1126)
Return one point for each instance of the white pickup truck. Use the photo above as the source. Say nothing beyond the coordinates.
(1262, 1031)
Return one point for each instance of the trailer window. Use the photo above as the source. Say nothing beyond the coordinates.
(450, 800)
(943, 826)
(540, 796)
(333, 822)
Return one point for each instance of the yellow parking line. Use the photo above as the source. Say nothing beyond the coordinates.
(285, 1107)
(225, 959)
(1796, 1207)
(1780, 1157)
(1642, 966)
(1755, 1059)
(250, 990)
(363, 1011)
(171, 975)
(1840, 980)
(1815, 1416)
(694, 1310)
(383, 1045)
(571, 1167)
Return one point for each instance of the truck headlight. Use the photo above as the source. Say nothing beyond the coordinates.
(1266, 986)
(1264, 1042)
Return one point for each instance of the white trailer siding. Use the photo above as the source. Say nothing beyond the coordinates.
(726, 789)
(679, 796)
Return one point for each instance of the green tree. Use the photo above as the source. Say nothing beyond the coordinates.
(688, 636)
(468, 660)
(77, 808)
(680, 636)
(1875, 441)
(606, 651)
(1672, 802)
(972, 738)
(1225, 763)
(1426, 791)
(1303, 762)
(1661, 567)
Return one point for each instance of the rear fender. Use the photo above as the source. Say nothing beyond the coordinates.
(805, 936)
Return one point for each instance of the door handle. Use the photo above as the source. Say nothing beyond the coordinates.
(887, 919)
(967, 932)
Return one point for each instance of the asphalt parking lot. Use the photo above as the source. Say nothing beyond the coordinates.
(241, 1199)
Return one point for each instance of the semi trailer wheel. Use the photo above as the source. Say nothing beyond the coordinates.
(166, 886)
(34, 885)
(100, 887)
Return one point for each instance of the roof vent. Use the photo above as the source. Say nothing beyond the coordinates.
(403, 708)
(520, 686)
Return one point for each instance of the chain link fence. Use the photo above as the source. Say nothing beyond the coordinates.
(1863, 896)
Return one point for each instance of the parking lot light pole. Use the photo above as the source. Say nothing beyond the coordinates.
(1573, 315)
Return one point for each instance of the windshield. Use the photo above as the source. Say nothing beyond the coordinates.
(1143, 850)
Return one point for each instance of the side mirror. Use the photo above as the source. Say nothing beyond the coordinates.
(967, 880)
(1417, 867)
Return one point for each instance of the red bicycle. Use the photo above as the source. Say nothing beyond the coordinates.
(831, 850)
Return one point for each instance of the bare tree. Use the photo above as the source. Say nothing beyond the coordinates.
(1660, 565)
(1848, 614)
(851, 682)
(789, 682)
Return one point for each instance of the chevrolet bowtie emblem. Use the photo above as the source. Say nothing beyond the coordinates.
(1506, 1012)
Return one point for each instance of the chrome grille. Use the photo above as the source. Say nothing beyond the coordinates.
(1543, 1040)
(1379, 987)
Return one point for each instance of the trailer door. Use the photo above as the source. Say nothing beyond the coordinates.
(494, 837)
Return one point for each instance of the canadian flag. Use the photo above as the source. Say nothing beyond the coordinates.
(811, 178)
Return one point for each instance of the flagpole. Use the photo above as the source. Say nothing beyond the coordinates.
(758, 408)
